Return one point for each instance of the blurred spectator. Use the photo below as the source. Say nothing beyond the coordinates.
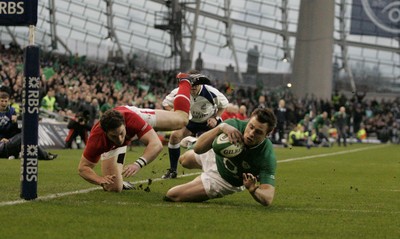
(108, 105)
(297, 136)
(341, 122)
(78, 130)
(261, 102)
(49, 101)
(96, 108)
(73, 101)
(321, 125)
(280, 113)
(16, 106)
(229, 112)
(360, 96)
(307, 123)
(317, 141)
(242, 114)
(89, 110)
(361, 133)
(17, 88)
(61, 99)
(394, 133)
(358, 116)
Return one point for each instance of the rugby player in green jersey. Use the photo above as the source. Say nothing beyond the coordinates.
(253, 169)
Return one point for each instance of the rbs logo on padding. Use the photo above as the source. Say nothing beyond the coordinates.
(11, 8)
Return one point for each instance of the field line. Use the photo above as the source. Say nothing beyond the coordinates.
(331, 154)
(48, 197)
(58, 195)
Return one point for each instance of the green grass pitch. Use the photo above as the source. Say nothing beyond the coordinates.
(339, 192)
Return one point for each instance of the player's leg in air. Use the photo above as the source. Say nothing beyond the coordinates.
(172, 120)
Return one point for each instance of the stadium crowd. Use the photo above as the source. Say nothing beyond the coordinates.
(74, 84)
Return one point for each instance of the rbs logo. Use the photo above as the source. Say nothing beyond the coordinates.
(11, 8)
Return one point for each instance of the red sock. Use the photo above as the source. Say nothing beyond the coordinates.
(182, 98)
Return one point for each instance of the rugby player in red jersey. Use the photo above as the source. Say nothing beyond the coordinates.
(117, 127)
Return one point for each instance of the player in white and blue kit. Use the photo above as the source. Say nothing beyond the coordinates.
(206, 106)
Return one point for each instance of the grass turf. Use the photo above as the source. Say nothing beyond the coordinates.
(350, 192)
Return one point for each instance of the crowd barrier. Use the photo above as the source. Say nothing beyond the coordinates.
(52, 133)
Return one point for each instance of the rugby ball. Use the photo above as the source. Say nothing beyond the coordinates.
(224, 148)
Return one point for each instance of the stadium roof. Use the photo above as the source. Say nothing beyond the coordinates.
(82, 27)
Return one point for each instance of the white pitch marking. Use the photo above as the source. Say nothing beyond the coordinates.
(331, 154)
(58, 195)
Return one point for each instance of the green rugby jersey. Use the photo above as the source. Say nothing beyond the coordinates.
(259, 160)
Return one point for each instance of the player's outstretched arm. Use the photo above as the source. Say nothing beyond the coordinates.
(86, 171)
(204, 142)
(153, 148)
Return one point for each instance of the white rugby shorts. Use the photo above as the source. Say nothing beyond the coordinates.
(213, 183)
(148, 115)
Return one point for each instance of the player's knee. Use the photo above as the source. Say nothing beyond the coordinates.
(188, 160)
(175, 137)
(182, 120)
(172, 196)
(183, 161)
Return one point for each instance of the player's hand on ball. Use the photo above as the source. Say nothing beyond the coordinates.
(130, 170)
(234, 135)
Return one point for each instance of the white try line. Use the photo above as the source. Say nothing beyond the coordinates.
(58, 195)
(331, 154)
